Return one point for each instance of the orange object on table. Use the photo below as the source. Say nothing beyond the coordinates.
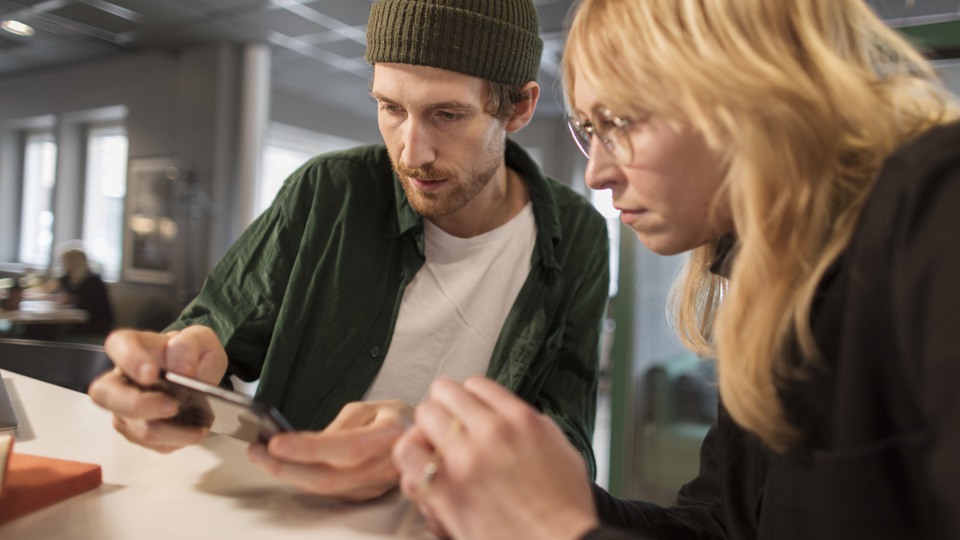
(29, 483)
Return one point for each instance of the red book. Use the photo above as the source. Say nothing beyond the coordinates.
(34, 482)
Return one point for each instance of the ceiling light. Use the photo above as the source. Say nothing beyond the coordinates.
(17, 27)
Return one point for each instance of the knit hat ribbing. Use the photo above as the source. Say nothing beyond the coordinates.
(497, 40)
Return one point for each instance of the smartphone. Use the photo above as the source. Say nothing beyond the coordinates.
(8, 417)
(223, 411)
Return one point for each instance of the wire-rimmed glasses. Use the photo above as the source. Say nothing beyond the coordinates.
(612, 130)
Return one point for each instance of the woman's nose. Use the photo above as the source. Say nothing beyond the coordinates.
(602, 172)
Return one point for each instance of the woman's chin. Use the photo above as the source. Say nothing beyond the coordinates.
(659, 244)
(666, 245)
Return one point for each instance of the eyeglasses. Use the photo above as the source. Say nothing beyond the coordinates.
(613, 132)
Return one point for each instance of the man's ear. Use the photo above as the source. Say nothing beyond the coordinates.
(523, 111)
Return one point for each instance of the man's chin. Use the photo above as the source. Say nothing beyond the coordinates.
(426, 204)
(439, 203)
(429, 209)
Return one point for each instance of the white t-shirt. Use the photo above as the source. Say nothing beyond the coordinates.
(453, 310)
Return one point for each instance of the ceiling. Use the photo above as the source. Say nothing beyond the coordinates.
(317, 46)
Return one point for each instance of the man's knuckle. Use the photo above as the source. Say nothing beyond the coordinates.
(353, 408)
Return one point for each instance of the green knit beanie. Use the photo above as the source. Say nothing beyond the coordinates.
(497, 40)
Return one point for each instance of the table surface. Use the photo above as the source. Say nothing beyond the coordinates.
(43, 312)
(204, 491)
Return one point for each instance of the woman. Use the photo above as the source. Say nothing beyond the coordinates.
(84, 290)
(804, 155)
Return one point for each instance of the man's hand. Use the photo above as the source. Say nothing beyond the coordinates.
(349, 460)
(140, 414)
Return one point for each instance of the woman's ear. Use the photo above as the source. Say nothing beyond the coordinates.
(523, 111)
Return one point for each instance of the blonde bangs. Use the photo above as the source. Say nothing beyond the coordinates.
(606, 32)
(593, 53)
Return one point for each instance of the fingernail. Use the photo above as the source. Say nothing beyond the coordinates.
(279, 446)
(255, 453)
(169, 409)
(176, 365)
(145, 372)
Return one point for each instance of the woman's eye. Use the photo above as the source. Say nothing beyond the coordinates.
(606, 125)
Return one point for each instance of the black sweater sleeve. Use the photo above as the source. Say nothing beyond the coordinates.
(722, 502)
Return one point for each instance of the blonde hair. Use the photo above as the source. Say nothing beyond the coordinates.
(75, 265)
(804, 99)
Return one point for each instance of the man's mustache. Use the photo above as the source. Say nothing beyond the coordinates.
(427, 173)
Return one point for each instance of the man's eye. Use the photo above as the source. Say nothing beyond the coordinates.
(390, 108)
(451, 116)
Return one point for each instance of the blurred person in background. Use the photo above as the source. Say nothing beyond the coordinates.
(79, 287)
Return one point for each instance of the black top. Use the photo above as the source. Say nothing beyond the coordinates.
(881, 418)
(90, 295)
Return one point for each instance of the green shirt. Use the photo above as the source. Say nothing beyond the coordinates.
(307, 297)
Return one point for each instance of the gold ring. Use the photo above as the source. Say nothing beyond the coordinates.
(456, 426)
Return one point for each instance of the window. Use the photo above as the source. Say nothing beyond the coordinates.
(65, 182)
(39, 176)
(603, 201)
(106, 186)
(286, 149)
(949, 71)
(278, 163)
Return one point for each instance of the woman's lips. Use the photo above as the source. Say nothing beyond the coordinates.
(628, 217)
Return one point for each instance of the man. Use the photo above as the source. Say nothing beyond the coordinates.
(446, 252)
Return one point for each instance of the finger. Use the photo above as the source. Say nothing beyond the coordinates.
(518, 413)
(196, 352)
(432, 507)
(439, 425)
(114, 392)
(362, 482)
(400, 417)
(410, 455)
(433, 524)
(395, 411)
(494, 396)
(352, 415)
(341, 448)
(159, 435)
(361, 413)
(459, 402)
(138, 354)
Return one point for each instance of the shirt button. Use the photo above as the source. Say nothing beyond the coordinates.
(375, 351)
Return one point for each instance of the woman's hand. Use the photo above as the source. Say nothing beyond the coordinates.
(503, 469)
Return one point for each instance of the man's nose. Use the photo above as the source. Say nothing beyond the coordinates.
(418, 147)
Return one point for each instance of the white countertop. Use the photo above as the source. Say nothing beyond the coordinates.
(207, 491)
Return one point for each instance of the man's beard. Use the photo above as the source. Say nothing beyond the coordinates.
(454, 196)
